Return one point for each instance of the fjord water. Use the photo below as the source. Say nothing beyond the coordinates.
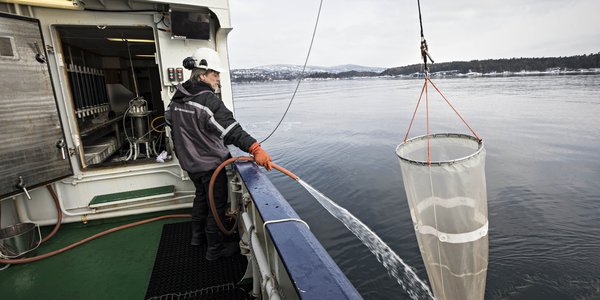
(542, 168)
(404, 275)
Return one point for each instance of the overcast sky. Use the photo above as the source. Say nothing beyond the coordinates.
(385, 33)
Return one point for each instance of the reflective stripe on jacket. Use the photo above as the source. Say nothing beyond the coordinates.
(201, 126)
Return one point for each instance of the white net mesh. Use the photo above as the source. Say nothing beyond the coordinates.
(448, 206)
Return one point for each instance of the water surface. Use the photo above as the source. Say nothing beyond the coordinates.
(542, 168)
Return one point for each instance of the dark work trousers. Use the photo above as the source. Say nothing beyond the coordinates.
(203, 221)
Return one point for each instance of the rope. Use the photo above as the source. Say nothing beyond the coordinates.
(472, 131)
(415, 112)
(426, 91)
(425, 55)
(437, 229)
(300, 76)
(427, 120)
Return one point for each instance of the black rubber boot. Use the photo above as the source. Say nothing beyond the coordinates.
(226, 250)
(216, 248)
(198, 236)
(214, 241)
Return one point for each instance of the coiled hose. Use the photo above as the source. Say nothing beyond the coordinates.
(95, 236)
(125, 226)
(213, 178)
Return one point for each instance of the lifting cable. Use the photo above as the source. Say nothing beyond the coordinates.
(425, 55)
(301, 76)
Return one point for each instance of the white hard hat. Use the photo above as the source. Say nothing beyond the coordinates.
(208, 59)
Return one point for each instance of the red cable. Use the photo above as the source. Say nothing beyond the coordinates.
(426, 90)
(427, 118)
(455, 111)
(415, 112)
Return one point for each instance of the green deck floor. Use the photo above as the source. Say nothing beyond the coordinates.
(115, 266)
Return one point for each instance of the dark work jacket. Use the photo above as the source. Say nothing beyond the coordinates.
(201, 126)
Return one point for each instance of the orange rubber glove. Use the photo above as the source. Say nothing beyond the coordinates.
(261, 157)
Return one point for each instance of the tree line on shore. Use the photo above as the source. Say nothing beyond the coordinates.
(585, 61)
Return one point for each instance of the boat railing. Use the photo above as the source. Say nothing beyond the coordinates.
(291, 262)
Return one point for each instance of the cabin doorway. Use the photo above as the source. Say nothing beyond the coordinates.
(114, 88)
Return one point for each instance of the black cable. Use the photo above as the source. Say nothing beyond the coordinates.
(424, 47)
(301, 74)
(119, 10)
(161, 19)
(420, 20)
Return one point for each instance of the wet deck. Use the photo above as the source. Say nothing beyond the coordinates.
(115, 266)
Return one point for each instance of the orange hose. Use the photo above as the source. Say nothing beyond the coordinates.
(39, 257)
(213, 178)
(118, 228)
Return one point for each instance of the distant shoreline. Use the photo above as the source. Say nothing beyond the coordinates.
(545, 66)
(594, 71)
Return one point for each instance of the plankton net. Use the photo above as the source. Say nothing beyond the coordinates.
(444, 180)
(448, 207)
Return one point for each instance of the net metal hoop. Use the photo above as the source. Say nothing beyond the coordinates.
(441, 135)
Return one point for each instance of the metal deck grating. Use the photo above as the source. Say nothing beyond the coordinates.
(181, 272)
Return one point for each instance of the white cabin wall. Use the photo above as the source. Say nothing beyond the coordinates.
(179, 49)
(75, 192)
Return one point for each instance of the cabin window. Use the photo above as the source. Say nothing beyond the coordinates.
(7, 47)
(190, 25)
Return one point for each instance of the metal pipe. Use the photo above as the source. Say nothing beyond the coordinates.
(103, 87)
(261, 260)
(74, 81)
(83, 85)
(89, 85)
(97, 95)
(72, 84)
(137, 93)
(255, 274)
(93, 94)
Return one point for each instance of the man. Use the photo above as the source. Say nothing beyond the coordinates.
(201, 127)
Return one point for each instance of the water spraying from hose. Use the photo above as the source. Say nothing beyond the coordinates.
(404, 274)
